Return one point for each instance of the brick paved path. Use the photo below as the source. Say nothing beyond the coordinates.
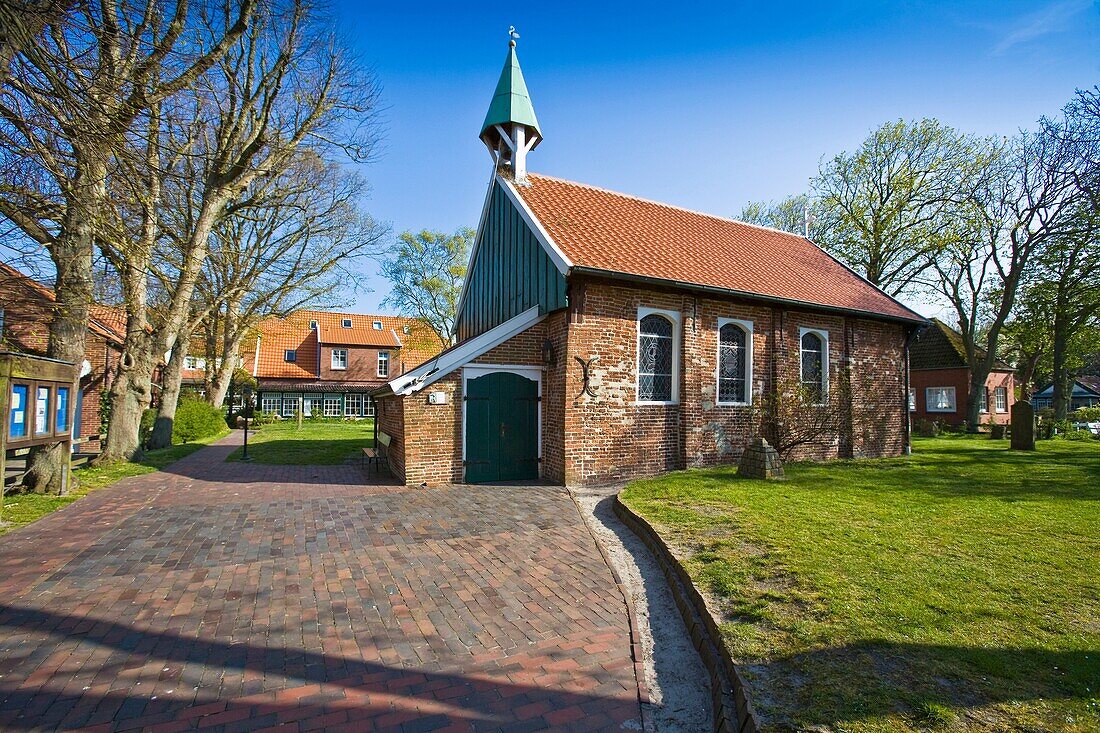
(246, 597)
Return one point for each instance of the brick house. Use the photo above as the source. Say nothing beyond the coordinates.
(940, 380)
(603, 337)
(26, 309)
(326, 363)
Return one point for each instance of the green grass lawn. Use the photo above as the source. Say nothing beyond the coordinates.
(317, 443)
(21, 509)
(956, 589)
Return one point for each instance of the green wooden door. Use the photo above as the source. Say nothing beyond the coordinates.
(502, 428)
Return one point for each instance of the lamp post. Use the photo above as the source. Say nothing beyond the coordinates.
(246, 397)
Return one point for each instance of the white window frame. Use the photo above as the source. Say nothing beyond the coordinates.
(313, 325)
(383, 363)
(344, 359)
(332, 398)
(267, 398)
(998, 393)
(377, 325)
(290, 356)
(745, 326)
(912, 399)
(930, 404)
(983, 401)
(674, 317)
(311, 402)
(292, 400)
(190, 362)
(345, 323)
(824, 336)
(369, 406)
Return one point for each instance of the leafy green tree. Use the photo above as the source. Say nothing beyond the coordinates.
(800, 214)
(426, 270)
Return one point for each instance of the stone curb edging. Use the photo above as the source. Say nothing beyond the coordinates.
(733, 711)
(632, 621)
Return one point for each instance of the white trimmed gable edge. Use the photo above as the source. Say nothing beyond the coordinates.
(435, 369)
(553, 251)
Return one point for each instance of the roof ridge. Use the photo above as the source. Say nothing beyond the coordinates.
(665, 205)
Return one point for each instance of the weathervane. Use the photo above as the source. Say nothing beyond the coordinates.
(512, 35)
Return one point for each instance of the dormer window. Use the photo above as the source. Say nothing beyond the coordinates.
(377, 325)
(313, 325)
(290, 355)
(346, 323)
(405, 329)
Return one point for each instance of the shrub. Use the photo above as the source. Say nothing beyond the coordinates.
(1086, 414)
(195, 419)
(145, 427)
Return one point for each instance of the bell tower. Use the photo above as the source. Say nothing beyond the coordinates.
(510, 130)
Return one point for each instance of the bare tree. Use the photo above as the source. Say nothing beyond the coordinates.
(1028, 198)
(290, 247)
(66, 105)
(283, 88)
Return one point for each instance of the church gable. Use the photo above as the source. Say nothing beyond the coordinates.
(510, 271)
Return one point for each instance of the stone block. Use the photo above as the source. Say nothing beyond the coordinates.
(760, 460)
(1023, 426)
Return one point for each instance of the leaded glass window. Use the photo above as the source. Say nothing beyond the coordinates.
(813, 375)
(655, 359)
(732, 363)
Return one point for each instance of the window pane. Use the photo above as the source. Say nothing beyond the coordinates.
(333, 406)
(732, 364)
(290, 405)
(17, 421)
(42, 411)
(353, 405)
(61, 420)
(655, 359)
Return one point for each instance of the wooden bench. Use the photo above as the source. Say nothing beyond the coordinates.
(377, 454)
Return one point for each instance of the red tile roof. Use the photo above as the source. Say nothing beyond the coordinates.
(277, 335)
(616, 233)
(104, 320)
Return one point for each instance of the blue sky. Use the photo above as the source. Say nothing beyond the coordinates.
(703, 105)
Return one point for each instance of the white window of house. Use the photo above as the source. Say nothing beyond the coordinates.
(983, 400)
(369, 411)
(346, 323)
(353, 405)
(912, 400)
(383, 363)
(190, 362)
(311, 405)
(333, 405)
(658, 356)
(377, 325)
(1000, 399)
(290, 405)
(734, 361)
(939, 399)
(339, 358)
(814, 364)
(291, 355)
(313, 325)
(269, 403)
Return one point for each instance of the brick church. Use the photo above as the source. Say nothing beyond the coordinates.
(603, 337)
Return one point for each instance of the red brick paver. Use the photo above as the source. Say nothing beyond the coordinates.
(234, 597)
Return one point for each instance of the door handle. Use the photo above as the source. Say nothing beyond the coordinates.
(503, 429)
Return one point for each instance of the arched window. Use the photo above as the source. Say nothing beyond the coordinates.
(655, 350)
(733, 363)
(814, 364)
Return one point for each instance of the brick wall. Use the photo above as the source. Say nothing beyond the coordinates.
(611, 438)
(362, 364)
(921, 379)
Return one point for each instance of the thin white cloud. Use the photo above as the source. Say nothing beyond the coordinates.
(1050, 19)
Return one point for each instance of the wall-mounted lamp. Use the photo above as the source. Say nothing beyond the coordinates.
(548, 352)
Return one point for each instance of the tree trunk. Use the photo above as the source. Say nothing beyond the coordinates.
(72, 256)
(1060, 373)
(171, 382)
(131, 394)
(973, 401)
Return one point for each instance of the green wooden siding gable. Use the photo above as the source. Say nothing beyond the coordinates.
(511, 272)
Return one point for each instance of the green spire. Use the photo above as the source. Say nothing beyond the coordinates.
(511, 102)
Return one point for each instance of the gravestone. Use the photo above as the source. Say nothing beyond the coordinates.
(1023, 426)
(760, 460)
